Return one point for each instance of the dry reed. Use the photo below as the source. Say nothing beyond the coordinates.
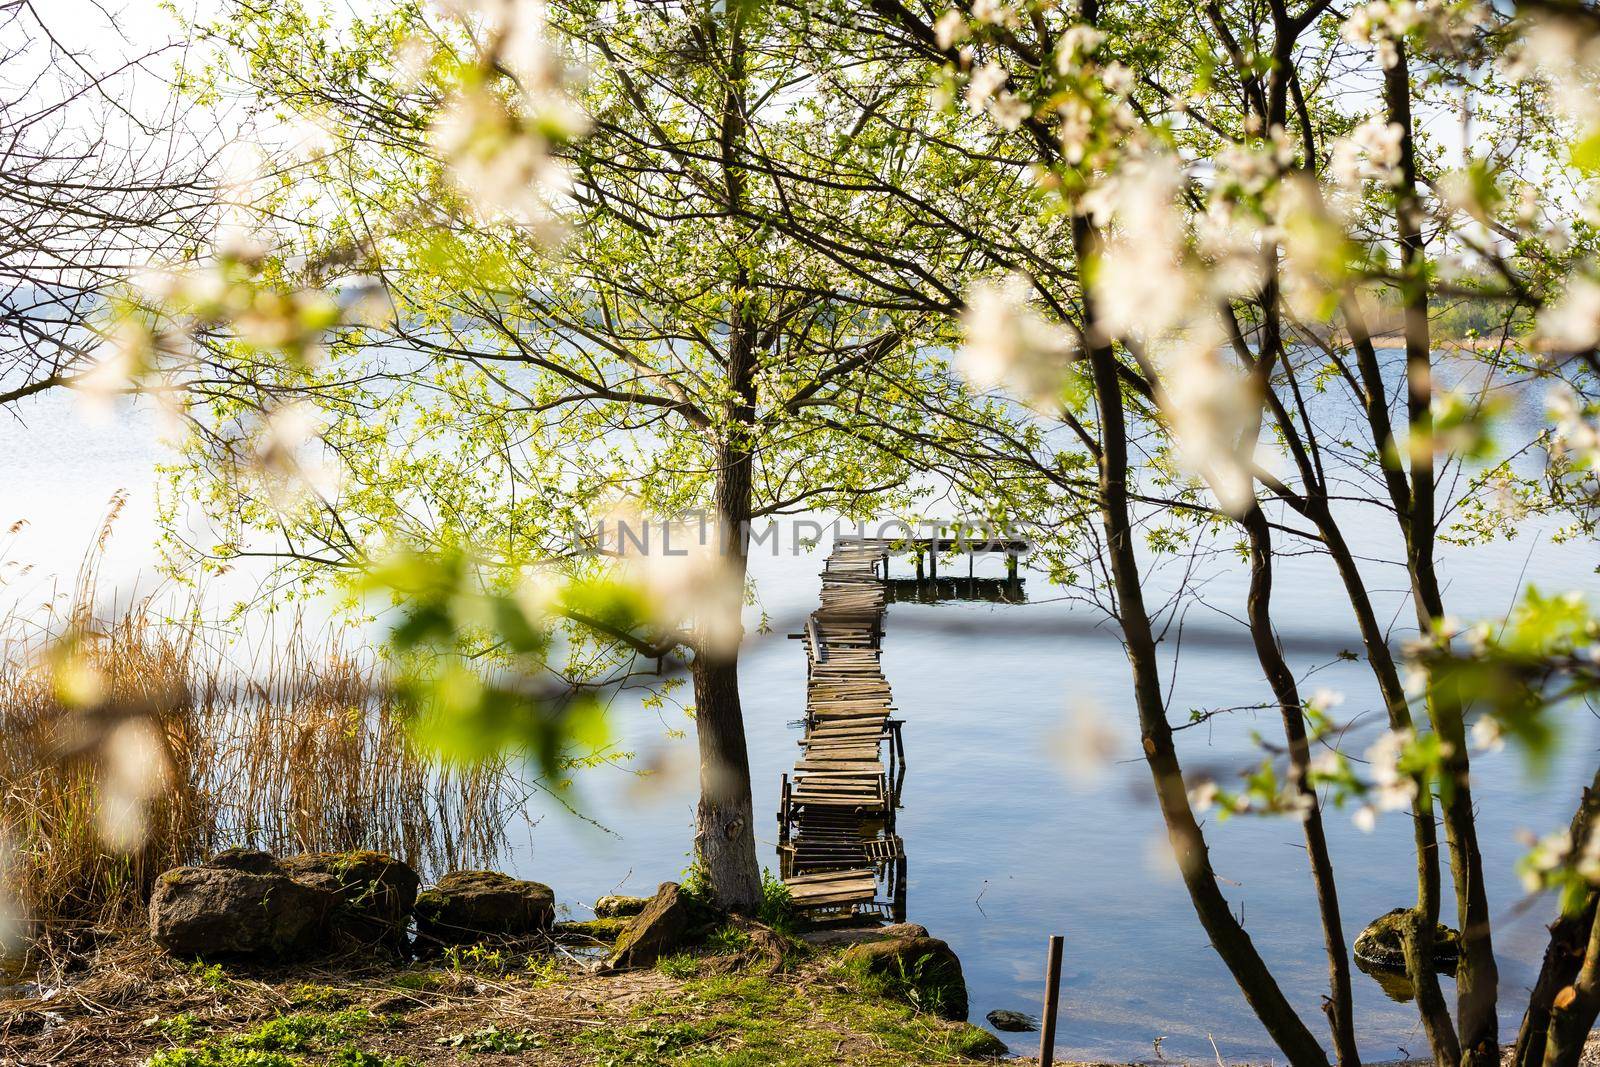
(301, 749)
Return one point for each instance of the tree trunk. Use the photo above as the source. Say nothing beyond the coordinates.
(1431, 1007)
(1229, 939)
(1563, 955)
(1573, 1011)
(1338, 1007)
(725, 831)
(1477, 976)
(724, 824)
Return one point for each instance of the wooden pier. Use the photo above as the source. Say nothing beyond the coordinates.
(836, 822)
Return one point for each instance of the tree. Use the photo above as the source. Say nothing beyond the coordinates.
(674, 357)
(95, 184)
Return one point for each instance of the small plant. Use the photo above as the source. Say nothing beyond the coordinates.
(350, 1056)
(209, 975)
(544, 969)
(695, 883)
(727, 941)
(181, 1027)
(777, 905)
(418, 981)
(680, 965)
(477, 958)
(493, 1039)
(326, 998)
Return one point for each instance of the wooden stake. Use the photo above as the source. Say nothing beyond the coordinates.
(1052, 991)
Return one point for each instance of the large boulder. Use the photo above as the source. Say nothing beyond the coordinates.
(921, 970)
(467, 906)
(1382, 943)
(668, 922)
(375, 891)
(229, 910)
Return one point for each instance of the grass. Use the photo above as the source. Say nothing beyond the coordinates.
(293, 746)
(557, 1013)
(285, 1041)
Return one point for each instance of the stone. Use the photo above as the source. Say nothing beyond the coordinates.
(1382, 943)
(590, 931)
(252, 860)
(832, 937)
(924, 971)
(376, 892)
(977, 1043)
(616, 907)
(669, 921)
(468, 906)
(1014, 1022)
(229, 911)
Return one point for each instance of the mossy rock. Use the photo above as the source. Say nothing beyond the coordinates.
(604, 930)
(670, 921)
(376, 892)
(614, 906)
(1382, 943)
(923, 971)
(468, 906)
(978, 1043)
(225, 911)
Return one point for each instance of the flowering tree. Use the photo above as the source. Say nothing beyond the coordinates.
(672, 356)
(1186, 240)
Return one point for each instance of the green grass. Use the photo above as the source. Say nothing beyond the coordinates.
(321, 997)
(833, 1015)
(283, 1042)
(746, 1020)
(418, 981)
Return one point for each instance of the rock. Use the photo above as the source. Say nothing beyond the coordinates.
(252, 860)
(615, 907)
(1382, 943)
(979, 1044)
(229, 911)
(468, 905)
(668, 922)
(922, 970)
(589, 931)
(375, 891)
(1014, 1022)
(833, 937)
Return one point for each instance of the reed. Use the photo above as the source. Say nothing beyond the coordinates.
(301, 747)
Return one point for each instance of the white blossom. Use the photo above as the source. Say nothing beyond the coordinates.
(1008, 344)
(1486, 734)
(996, 13)
(1572, 324)
(1203, 797)
(1392, 790)
(1076, 44)
(950, 29)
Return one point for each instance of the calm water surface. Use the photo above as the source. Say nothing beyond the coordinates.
(1007, 840)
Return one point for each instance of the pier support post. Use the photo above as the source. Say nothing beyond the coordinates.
(1052, 993)
(783, 813)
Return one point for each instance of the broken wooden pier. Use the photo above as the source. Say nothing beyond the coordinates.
(838, 848)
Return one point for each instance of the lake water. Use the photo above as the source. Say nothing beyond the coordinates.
(1007, 841)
